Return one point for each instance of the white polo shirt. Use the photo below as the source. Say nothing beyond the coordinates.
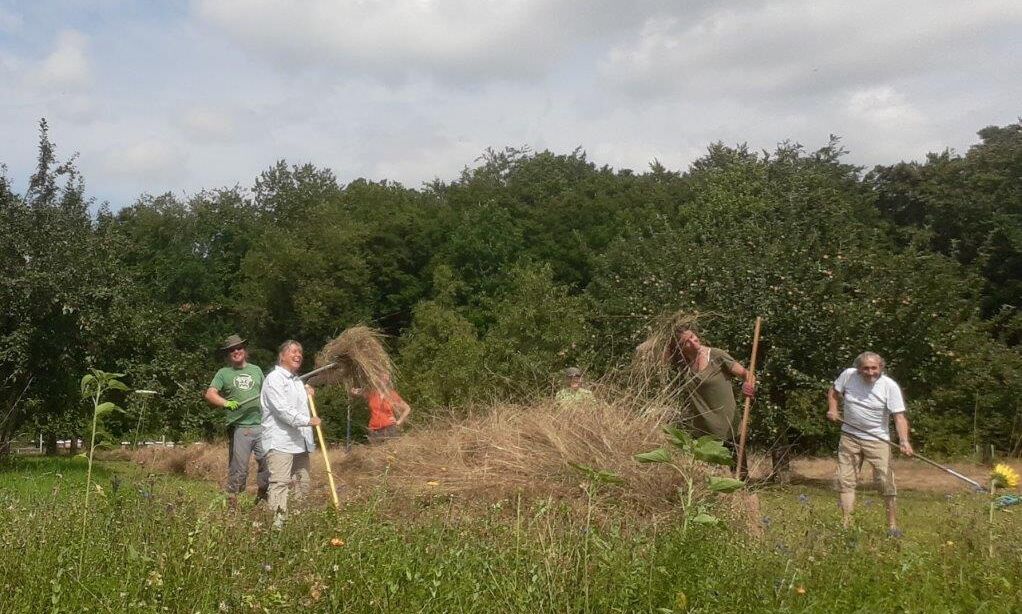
(868, 407)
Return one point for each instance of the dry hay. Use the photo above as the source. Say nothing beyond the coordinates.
(506, 453)
(652, 374)
(521, 451)
(361, 360)
(654, 355)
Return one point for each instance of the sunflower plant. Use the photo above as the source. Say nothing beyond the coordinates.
(1002, 476)
(705, 449)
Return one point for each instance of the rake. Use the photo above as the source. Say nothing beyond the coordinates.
(976, 485)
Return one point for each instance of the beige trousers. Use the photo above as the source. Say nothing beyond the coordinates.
(852, 452)
(285, 467)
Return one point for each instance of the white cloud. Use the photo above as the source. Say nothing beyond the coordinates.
(209, 125)
(450, 40)
(67, 66)
(151, 160)
(882, 106)
(803, 47)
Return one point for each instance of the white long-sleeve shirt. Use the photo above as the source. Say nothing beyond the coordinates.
(285, 413)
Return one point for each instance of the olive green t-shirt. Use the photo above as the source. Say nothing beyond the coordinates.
(240, 385)
(712, 397)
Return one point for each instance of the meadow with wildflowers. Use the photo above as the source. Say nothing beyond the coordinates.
(159, 543)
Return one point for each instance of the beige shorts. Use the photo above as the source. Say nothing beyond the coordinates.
(852, 452)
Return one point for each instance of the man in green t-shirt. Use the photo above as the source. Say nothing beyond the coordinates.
(235, 388)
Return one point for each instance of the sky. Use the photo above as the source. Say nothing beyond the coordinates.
(182, 96)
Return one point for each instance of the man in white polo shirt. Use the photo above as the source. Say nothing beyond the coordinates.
(868, 398)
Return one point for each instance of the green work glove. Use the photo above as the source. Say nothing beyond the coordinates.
(231, 405)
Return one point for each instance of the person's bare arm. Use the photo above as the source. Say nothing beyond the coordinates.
(833, 399)
(401, 412)
(213, 397)
(901, 425)
(749, 386)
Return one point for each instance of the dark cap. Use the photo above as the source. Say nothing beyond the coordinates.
(232, 341)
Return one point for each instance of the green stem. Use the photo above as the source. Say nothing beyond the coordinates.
(88, 477)
(990, 525)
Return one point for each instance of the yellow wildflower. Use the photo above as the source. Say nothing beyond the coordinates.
(1004, 476)
(680, 602)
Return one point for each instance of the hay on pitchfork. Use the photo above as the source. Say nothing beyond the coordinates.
(360, 357)
(653, 373)
(653, 356)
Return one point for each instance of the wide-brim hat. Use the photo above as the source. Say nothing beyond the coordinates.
(232, 341)
(573, 372)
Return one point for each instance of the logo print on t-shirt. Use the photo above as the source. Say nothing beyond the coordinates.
(243, 382)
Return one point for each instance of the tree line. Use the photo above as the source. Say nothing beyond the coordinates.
(528, 262)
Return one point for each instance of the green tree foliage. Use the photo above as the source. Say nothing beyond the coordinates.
(538, 329)
(970, 208)
(492, 283)
(440, 363)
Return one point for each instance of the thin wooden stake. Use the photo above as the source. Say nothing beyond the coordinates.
(748, 403)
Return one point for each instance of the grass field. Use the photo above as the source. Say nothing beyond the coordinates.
(162, 543)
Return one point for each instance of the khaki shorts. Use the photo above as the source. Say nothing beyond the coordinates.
(852, 452)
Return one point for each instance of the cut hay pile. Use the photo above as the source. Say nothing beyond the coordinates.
(360, 358)
(528, 451)
(510, 451)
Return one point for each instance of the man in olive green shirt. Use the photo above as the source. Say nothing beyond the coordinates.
(235, 388)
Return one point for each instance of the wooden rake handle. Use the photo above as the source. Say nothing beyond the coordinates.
(326, 457)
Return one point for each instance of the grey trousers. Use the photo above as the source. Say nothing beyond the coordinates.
(382, 435)
(285, 467)
(244, 442)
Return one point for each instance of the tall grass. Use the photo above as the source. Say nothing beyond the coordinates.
(162, 543)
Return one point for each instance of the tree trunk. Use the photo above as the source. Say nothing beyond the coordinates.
(50, 443)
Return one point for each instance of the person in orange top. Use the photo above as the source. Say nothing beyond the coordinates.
(387, 410)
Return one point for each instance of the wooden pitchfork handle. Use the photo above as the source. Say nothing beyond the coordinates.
(748, 403)
(326, 457)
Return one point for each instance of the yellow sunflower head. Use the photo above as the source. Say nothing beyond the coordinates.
(1004, 476)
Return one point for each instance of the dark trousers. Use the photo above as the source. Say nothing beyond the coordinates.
(243, 442)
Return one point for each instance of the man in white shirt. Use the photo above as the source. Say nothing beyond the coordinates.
(287, 429)
(869, 398)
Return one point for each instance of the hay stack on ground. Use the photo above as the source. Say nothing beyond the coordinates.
(526, 451)
(506, 452)
(360, 357)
